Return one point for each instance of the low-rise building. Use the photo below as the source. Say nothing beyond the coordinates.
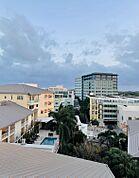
(106, 108)
(133, 138)
(18, 161)
(15, 121)
(62, 96)
(126, 113)
(29, 97)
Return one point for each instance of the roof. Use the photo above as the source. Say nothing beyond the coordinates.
(133, 138)
(21, 89)
(17, 161)
(100, 73)
(11, 112)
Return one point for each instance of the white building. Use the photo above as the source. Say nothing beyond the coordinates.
(78, 87)
(126, 113)
(62, 96)
(133, 138)
(110, 109)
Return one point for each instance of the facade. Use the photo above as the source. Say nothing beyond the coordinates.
(15, 121)
(126, 113)
(78, 87)
(29, 97)
(46, 103)
(18, 161)
(107, 108)
(62, 96)
(133, 138)
(99, 84)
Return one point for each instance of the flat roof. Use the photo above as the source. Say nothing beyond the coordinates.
(18, 161)
(100, 73)
(11, 112)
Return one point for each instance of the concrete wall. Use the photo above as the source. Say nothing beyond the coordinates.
(126, 113)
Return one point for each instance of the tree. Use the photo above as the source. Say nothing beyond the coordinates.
(112, 139)
(121, 164)
(108, 138)
(65, 123)
(90, 151)
(84, 110)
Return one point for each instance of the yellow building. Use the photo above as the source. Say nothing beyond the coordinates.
(15, 121)
(30, 97)
(95, 109)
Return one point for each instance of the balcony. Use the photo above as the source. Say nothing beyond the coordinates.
(4, 135)
(12, 131)
(32, 102)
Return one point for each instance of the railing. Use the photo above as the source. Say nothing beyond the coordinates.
(31, 102)
(4, 135)
(12, 130)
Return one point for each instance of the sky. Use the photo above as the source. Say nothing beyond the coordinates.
(51, 42)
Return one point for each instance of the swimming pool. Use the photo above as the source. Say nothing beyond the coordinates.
(49, 141)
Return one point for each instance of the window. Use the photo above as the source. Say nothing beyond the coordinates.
(45, 103)
(129, 118)
(11, 97)
(49, 110)
(36, 105)
(49, 96)
(41, 111)
(45, 96)
(49, 103)
(5, 97)
(19, 97)
(45, 110)
(31, 107)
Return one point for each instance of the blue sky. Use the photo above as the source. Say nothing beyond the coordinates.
(50, 42)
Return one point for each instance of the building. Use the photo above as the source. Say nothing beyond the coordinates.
(28, 96)
(99, 84)
(18, 161)
(133, 138)
(78, 87)
(62, 96)
(126, 113)
(107, 108)
(15, 120)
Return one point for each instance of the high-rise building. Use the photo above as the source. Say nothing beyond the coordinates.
(78, 87)
(99, 84)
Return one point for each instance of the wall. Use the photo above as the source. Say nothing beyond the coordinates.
(126, 113)
(46, 104)
(13, 98)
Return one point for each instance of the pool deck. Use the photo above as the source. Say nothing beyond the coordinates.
(42, 134)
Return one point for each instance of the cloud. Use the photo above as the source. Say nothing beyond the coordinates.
(29, 54)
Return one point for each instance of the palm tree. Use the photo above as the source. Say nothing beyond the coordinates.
(65, 122)
(109, 138)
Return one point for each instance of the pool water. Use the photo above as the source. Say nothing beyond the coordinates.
(48, 141)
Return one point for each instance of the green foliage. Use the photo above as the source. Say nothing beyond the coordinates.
(84, 110)
(121, 164)
(90, 151)
(112, 139)
(66, 126)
